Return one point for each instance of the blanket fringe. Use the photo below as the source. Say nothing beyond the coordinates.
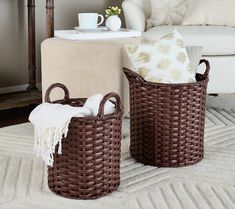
(46, 139)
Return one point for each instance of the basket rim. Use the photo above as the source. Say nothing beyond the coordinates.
(88, 118)
(205, 80)
(70, 101)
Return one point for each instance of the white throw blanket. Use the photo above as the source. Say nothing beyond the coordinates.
(51, 123)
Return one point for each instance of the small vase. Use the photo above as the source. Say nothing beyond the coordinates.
(113, 23)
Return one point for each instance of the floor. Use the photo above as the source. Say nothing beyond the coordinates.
(19, 99)
(206, 185)
(225, 101)
(15, 116)
(16, 107)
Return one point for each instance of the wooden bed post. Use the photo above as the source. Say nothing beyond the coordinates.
(32, 38)
(50, 18)
(31, 46)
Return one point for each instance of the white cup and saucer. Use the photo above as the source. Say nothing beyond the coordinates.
(89, 22)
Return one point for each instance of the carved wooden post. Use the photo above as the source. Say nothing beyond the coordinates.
(31, 46)
(50, 18)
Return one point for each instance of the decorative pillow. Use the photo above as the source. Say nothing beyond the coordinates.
(167, 12)
(194, 55)
(210, 12)
(162, 61)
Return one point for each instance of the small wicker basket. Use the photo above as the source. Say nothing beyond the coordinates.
(167, 120)
(89, 166)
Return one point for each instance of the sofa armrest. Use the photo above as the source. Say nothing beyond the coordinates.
(134, 16)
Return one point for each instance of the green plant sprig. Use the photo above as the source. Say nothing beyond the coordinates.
(111, 11)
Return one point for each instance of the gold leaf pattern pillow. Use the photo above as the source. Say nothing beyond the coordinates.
(162, 61)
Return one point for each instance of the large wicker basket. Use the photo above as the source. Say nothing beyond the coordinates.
(167, 120)
(89, 166)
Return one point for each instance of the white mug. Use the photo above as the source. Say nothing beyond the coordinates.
(89, 20)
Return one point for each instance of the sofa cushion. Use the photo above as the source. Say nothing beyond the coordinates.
(215, 40)
(167, 12)
(220, 12)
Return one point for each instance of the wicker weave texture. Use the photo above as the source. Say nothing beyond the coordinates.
(89, 166)
(167, 120)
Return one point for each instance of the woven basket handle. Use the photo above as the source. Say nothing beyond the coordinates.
(132, 75)
(206, 74)
(57, 85)
(105, 99)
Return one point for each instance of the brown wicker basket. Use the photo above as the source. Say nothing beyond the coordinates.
(89, 166)
(167, 120)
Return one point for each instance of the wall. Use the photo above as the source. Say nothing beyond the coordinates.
(13, 32)
(12, 43)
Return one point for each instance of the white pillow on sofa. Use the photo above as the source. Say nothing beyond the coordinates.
(162, 61)
(210, 12)
(194, 55)
(167, 12)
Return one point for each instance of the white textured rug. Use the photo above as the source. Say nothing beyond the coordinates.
(208, 185)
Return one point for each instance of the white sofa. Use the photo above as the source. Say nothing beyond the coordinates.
(218, 43)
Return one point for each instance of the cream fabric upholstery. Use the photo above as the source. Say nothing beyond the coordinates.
(214, 39)
(210, 12)
(85, 67)
(137, 12)
(222, 74)
(145, 5)
(169, 12)
(218, 44)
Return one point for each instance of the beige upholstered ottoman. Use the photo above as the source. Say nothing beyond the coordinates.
(85, 67)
